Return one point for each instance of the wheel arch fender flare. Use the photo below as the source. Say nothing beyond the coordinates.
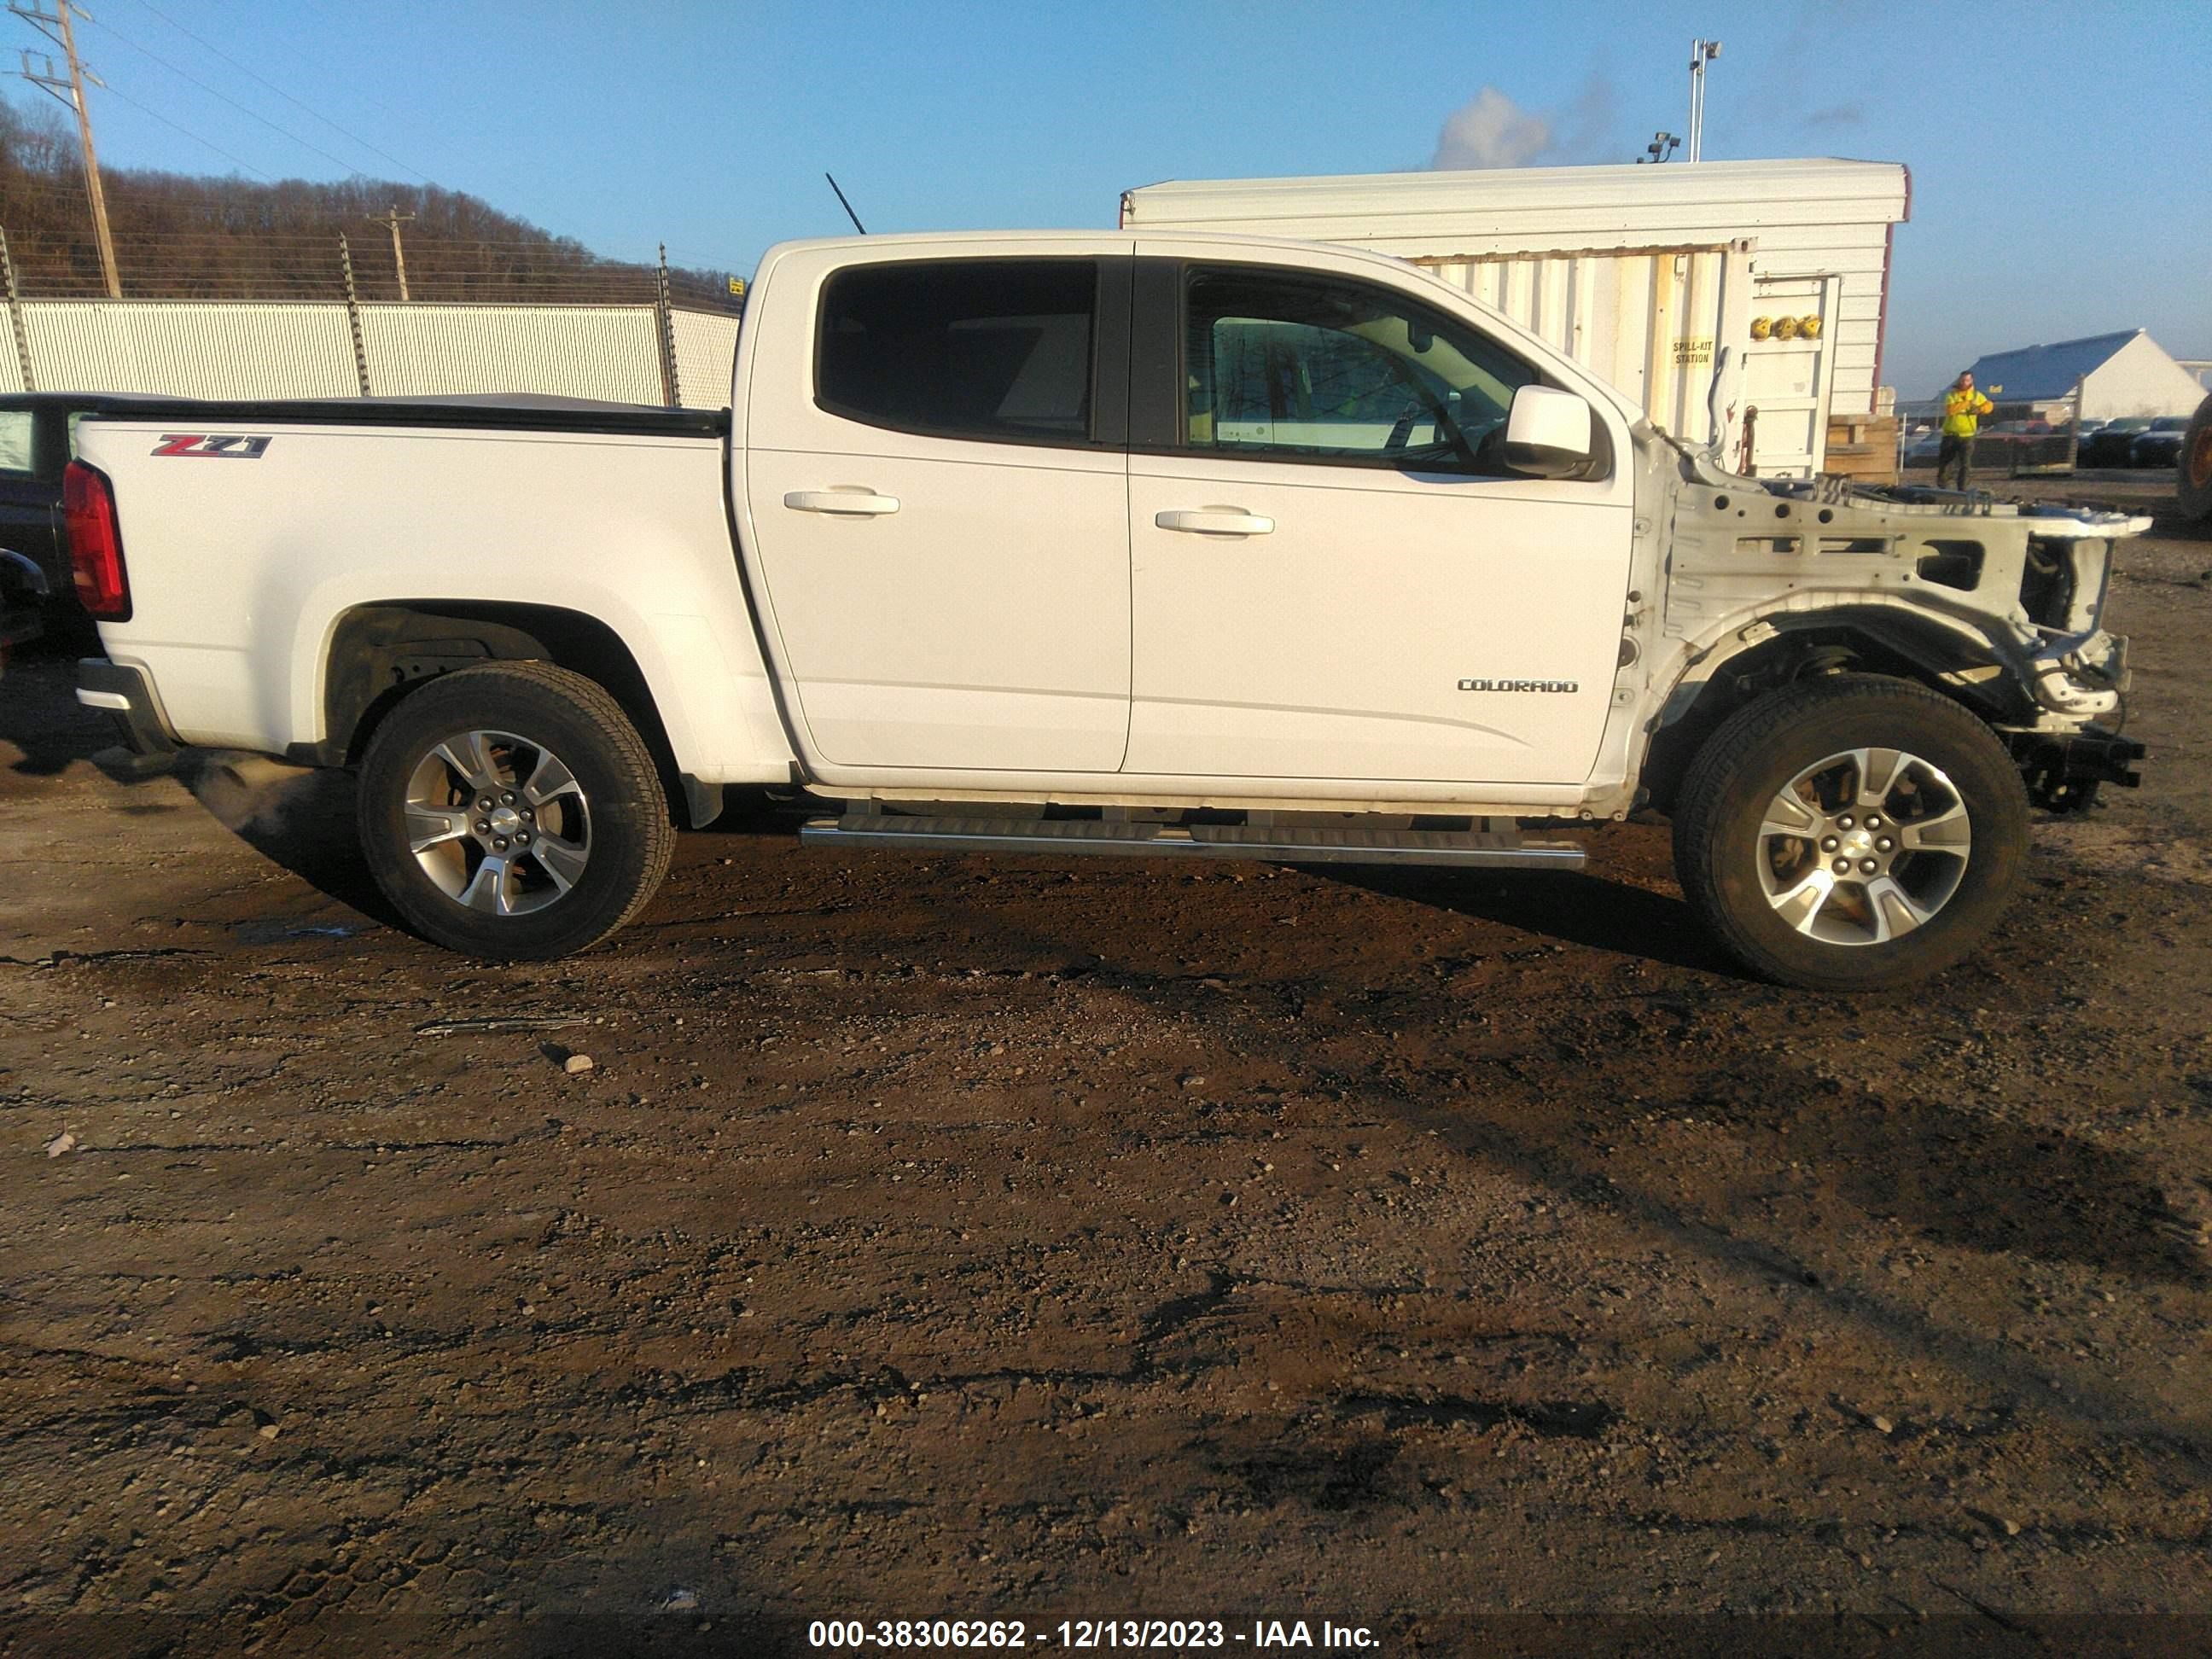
(373, 653)
(1753, 652)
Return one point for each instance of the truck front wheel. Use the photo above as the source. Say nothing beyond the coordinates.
(1851, 833)
(512, 811)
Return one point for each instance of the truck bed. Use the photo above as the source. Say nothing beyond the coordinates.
(245, 577)
(510, 411)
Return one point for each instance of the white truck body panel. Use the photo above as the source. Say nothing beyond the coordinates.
(983, 626)
(1290, 655)
(233, 622)
(992, 633)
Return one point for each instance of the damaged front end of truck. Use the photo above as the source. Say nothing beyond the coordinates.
(1998, 604)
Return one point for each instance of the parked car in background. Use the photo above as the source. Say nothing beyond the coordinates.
(34, 448)
(37, 432)
(2161, 446)
(1924, 449)
(2018, 446)
(2108, 445)
(23, 602)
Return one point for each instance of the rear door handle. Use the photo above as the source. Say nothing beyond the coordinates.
(859, 503)
(1216, 520)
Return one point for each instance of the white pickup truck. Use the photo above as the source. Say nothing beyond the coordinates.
(1107, 542)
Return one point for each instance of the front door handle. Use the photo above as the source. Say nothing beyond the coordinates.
(1216, 520)
(859, 503)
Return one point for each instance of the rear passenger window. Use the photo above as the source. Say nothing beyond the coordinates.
(994, 349)
(15, 440)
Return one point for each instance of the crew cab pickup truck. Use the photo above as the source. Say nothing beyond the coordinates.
(1076, 544)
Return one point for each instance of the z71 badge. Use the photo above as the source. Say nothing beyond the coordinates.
(234, 445)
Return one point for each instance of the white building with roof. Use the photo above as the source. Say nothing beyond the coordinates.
(2122, 373)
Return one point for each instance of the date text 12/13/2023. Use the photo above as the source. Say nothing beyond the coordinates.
(1167, 1635)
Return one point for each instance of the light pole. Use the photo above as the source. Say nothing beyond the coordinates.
(1702, 52)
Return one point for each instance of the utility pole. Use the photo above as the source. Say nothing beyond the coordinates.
(1702, 52)
(392, 222)
(57, 28)
(353, 315)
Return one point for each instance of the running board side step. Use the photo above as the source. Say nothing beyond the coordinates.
(1493, 848)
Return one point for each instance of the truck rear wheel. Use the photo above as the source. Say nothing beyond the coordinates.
(2193, 468)
(512, 812)
(1851, 833)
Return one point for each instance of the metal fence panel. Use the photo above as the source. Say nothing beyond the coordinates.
(575, 351)
(187, 349)
(304, 349)
(705, 349)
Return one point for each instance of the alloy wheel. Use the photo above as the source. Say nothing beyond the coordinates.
(498, 822)
(1864, 846)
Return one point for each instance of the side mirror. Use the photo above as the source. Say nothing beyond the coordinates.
(1547, 433)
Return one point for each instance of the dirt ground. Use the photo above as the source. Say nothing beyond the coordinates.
(975, 1238)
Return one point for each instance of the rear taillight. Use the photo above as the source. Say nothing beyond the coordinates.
(95, 543)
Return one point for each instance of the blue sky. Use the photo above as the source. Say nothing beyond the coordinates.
(2061, 153)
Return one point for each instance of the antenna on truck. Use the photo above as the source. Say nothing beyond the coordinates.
(848, 206)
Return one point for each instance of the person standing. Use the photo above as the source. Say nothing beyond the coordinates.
(1963, 409)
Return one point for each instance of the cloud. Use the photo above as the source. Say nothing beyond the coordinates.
(1836, 115)
(1491, 130)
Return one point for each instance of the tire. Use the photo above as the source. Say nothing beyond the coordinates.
(1946, 839)
(575, 841)
(2193, 467)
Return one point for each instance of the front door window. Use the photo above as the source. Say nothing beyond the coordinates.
(1313, 368)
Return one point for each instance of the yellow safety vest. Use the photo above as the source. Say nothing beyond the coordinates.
(1960, 409)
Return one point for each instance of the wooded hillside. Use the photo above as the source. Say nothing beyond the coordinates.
(186, 236)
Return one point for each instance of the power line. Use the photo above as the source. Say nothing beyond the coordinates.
(217, 93)
(281, 93)
(190, 134)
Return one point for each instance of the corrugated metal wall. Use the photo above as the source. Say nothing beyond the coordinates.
(706, 352)
(1651, 321)
(250, 350)
(578, 351)
(210, 349)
